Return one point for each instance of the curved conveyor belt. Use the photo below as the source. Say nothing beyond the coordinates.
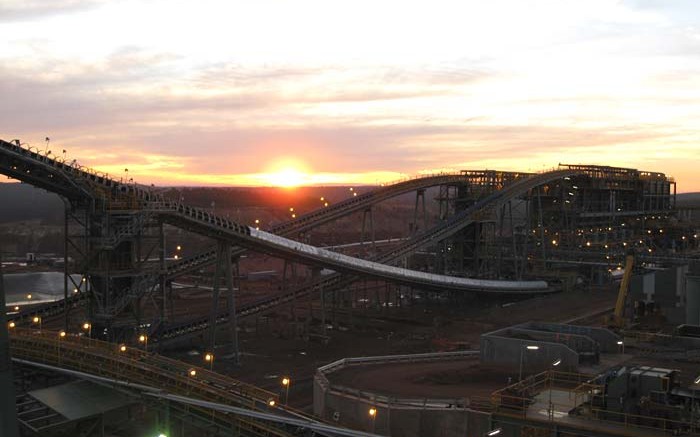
(204, 223)
(326, 283)
(332, 212)
(347, 263)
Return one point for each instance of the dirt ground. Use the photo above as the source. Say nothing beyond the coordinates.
(448, 379)
(273, 346)
(271, 350)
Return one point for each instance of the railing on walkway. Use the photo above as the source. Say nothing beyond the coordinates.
(532, 399)
(99, 358)
(377, 399)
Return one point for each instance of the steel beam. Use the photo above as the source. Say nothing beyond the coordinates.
(8, 409)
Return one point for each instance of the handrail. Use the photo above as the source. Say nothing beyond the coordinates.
(516, 400)
(106, 359)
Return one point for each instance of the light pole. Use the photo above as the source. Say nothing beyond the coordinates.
(286, 382)
(37, 319)
(88, 327)
(621, 345)
(522, 350)
(209, 358)
(372, 416)
(143, 338)
(551, 407)
(61, 335)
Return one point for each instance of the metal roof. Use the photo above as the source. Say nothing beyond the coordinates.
(81, 399)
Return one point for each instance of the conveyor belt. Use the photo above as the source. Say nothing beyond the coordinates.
(148, 369)
(444, 230)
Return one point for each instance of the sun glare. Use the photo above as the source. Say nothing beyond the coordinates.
(287, 178)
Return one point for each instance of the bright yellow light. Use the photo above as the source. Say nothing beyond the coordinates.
(271, 402)
(142, 338)
(36, 319)
(193, 372)
(287, 178)
(86, 326)
(122, 348)
(372, 412)
(208, 357)
(62, 334)
(285, 381)
(12, 324)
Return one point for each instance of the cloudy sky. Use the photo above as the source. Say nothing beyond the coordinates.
(262, 92)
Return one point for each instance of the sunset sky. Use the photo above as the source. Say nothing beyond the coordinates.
(324, 92)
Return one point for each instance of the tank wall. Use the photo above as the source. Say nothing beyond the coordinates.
(692, 300)
(397, 420)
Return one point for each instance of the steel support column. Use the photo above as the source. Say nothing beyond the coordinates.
(368, 212)
(215, 296)
(231, 300)
(420, 198)
(8, 409)
(65, 268)
(163, 271)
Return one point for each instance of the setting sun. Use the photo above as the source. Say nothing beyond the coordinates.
(287, 178)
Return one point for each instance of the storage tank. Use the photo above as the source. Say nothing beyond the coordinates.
(692, 300)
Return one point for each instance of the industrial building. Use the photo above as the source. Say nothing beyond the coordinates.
(501, 238)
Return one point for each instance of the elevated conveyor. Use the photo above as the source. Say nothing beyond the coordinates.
(481, 209)
(318, 217)
(144, 369)
(204, 223)
(33, 167)
(24, 162)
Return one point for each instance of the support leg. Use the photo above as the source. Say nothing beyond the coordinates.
(231, 299)
(215, 297)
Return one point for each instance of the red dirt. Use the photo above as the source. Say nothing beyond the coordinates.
(447, 379)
